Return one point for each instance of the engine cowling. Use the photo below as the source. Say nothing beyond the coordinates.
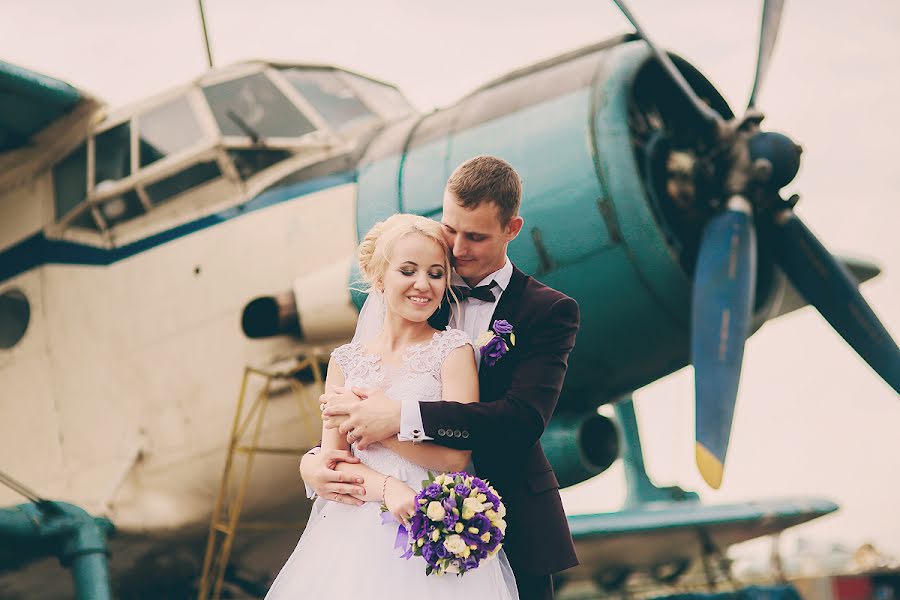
(580, 446)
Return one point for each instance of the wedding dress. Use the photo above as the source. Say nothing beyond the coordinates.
(346, 551)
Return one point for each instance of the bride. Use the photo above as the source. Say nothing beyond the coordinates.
(405, 262)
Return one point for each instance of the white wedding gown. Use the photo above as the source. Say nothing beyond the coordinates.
(346, 551)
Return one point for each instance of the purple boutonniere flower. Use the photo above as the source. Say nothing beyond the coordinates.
(502, 327)
(496, 342)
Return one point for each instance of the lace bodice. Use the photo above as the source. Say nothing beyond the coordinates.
(418, 377)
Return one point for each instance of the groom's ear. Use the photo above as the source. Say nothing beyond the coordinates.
(514, 227)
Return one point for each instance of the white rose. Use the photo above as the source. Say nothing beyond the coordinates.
(470, 507)
(455, 545)
(435, 511)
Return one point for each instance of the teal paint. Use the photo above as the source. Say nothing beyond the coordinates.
(30, 532)
(583, 198)
(640, 489)
(29, 102)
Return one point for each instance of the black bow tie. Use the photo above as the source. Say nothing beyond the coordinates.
(482, 292)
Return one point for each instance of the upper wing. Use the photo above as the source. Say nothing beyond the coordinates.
(41, 119)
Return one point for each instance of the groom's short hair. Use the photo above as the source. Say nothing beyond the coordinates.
(487, 179)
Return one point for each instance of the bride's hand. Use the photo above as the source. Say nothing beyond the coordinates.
(400, 499)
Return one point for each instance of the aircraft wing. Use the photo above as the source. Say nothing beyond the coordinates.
(663, 533)
(862, 271)
(41, 119)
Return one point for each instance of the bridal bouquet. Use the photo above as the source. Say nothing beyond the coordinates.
(459, 522)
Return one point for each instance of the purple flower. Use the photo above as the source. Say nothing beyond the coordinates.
(462, 490)
(442, 551)
(496, 538)
(417, 524)
(470, 563)
(450, 521)
(493, 350)
(429, 553)
(433, 491)
(481, 523)
(502, 327)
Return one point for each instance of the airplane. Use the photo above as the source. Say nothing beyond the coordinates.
(137, 243)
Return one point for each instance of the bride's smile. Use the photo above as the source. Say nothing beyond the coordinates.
(416, 278)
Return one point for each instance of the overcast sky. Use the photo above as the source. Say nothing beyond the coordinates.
(812, 418)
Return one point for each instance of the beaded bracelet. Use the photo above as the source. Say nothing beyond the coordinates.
(384, 487)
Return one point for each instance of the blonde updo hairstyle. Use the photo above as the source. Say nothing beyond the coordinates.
(375, 250)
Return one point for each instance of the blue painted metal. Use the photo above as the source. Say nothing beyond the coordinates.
(38, 250)
(29, 102)
(775, 514)
(580, 446)
(640, 489)
(724, 287)
(584, 195)
(33, 531)
(829, 286)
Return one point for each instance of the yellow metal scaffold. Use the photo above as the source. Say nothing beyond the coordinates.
(230, 499)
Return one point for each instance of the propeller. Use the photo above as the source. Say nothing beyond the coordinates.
(768, 33)
(724, 286)
(826, 284)
(756, 166)
(706, 114)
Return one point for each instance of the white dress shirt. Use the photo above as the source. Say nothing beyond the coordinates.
(474, 318)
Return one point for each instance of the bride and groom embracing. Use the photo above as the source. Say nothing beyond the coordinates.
(409, 396)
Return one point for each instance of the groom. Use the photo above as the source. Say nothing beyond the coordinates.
(518, 391)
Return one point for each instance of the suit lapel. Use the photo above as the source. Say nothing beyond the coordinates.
(507, 308)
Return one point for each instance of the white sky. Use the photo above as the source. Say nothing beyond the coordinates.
(811, 419)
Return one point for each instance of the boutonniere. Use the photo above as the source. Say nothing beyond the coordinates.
(496, 342)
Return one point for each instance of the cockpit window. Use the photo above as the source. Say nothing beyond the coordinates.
(330, 96)
(121, 208)
(70, 181)
(384, 99)
(112, 154)
(166, 130)
(252, 105)
(183, 181)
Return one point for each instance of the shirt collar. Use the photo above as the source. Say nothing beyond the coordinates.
(501, 276)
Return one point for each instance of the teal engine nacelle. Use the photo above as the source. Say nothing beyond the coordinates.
(580, 446)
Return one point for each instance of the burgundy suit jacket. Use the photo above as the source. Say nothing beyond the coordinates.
(518, 396)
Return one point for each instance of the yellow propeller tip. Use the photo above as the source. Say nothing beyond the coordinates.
(710, 467)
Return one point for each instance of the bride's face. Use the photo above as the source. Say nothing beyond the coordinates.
(416, 279)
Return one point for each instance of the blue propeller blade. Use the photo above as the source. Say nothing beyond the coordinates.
(826, 284)
(724, 288)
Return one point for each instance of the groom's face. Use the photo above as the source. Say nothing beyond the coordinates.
(476, 237)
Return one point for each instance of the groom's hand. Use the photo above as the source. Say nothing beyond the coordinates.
(335, 396)
(318, 472)
(375, 419)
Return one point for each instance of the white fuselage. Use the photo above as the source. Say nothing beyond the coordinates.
(121, 395)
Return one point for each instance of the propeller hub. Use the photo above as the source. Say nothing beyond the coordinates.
(780, 152)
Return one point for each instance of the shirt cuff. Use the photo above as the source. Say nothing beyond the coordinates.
(311, 493)
(411, 428)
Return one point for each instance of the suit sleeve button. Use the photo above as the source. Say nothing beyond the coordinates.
(465, 434)
(442, 432)
(457, 433)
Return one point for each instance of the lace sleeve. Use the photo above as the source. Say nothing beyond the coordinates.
(343, 356)
(448, 341)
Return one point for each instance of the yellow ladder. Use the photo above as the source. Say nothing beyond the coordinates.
(230, 499)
